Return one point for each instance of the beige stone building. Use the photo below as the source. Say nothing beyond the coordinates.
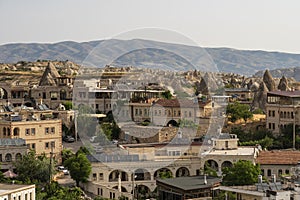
(15, 191)
(10, 151)
(282, 108)
(140, 164)
(42, 134)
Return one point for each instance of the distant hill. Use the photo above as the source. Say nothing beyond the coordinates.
(143, 52)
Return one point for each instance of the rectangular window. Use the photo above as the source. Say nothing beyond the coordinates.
(269, 113)
(273, 126)
(27, 131)
(47, 130)
(270, 126)
(33, 145)
(97, 106)
(94, 177)
(46, 145)
(273, 112)
(0, 157)
(52, 130)
(190, 114)
(136, 111)
(33, 131)
(179, 113)
(53, 144)
(100, 176)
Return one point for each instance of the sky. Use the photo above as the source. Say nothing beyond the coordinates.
(242, 24)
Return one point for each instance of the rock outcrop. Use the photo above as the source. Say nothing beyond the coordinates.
(283, 84)
(269, 81)
(260, 97)
(49, 76)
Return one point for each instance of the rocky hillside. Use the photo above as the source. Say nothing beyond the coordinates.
(179, 56)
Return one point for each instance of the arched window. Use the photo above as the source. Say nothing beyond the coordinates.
(4, 131)
(16, 131)
(8, 157)
(8, 131)
(18, 156)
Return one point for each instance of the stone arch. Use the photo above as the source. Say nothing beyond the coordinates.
(18, 156)
(226, 164)
(212, 164)
(123, 189)
(114, 176)
(172, 122)
(141, 191)
(8, 157)
(162, 170)
(182, 171)
(142, 174)
(3, 93)
(16, 131)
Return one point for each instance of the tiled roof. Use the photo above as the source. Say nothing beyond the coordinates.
(295, 93)
(178, 103)
(278, 157)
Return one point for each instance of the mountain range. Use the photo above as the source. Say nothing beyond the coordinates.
(149, 53)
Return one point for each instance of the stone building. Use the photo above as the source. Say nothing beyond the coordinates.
(10, 151)
(16, 191)
(40, 130)
(282, 108)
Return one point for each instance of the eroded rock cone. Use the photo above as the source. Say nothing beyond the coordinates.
(269, 81)
(260, 97)
(283, 84)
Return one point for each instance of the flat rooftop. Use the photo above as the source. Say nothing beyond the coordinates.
(8, 188)
(232, 152)
(295, 93)
(190, 182)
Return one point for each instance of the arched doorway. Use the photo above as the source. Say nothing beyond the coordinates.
(114, 176)
(212, 164)
(141, 191)
(163, 172)
(142, 174)
(226, 164)
(182, 171)
(63, 94)
(172, 123)
(16, 131)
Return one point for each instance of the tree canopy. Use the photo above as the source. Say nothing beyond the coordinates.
(34, 169)
(79, 167)
(241, 173)
(239, 111)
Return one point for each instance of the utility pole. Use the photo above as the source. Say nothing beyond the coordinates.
(50, 166)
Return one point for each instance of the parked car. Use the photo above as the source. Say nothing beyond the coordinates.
(63, 169)
(68, 139)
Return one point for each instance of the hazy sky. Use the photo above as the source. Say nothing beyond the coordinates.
(253, 24)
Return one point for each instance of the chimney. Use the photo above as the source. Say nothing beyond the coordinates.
(273, 178)
(205, 181)
(259, 178)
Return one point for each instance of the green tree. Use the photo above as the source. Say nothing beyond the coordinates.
(241, 173)
(209, 170)
(164, 175)
(238, 111)
(166, 94)
(79, 167)
(66, 154)
(34, 169)
(68, 105)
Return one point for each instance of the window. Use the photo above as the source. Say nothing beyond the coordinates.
(159, 112)
(18, 156)
(52, 130)
(53, 144)
(47, 130)
(8, 157)
(226, 144)
(46, 145)
(140, 111)
(269, 172)
(280, 172)
(27, 131)
(136, 111)
(190, 114)
(287, 171)
(270, 125)
(0, 157)
(100, 176)
(94, 176)
(269, 113)
(273, 112)
(4, 131)
(273, 126)
(33, 131)
(16, 131)
(33, 146)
